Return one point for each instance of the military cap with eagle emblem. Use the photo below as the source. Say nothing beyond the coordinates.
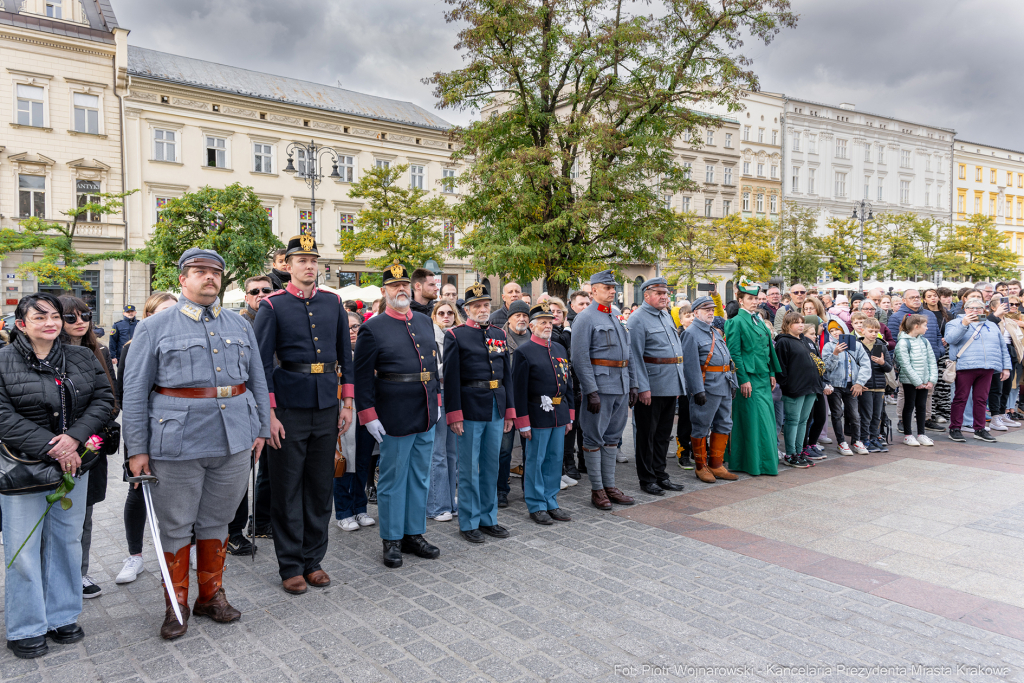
(302, 245)
(477, 291)
(396, 272)
(541, 310)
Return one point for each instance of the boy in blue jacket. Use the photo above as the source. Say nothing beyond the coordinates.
(847, 370)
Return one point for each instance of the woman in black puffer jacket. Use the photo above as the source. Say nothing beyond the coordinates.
(53, 397)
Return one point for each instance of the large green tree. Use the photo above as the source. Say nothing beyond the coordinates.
(748, 246)
(799, 256)
(978, 251)
(61, 263)
(583, 101)
(399, 223)
(839, 247)
(696, 249)
(231, 221)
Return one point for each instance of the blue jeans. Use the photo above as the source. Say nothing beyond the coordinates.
(444, 469)
(350, 489)
(969, 413)
(43, 589)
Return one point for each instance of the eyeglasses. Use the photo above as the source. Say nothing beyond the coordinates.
(72, 318)
(798, 291)
(265, 290)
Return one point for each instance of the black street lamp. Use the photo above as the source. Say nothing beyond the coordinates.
(862, 212)
(310, 170)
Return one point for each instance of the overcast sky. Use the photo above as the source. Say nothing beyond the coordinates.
(949, 63)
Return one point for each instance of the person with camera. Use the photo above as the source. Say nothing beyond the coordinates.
(53, 398)
(977, 348)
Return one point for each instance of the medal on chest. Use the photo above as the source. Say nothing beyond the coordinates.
(495, 345)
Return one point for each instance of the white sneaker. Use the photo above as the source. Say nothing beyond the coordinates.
(192, 558)
(781, 455)
(89, 588)
(824, 439)
(844, 449)
(562, 485)
(348, 524)
(568, 481)
(924, 440)
(1008, 421)
(621, 457)
(859, 447)
(939, 420)
(996, 425)
(133, 566)
(443, 517)
(911, 441)
(890, 400)
(365, 519)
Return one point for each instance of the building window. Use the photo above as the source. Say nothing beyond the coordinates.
(773, 203)
(726, 207)
(709, 205)
(867, 187)
(905, 158)
(307, 222)
(775, 137)
(927, 194)
(760, 203)
(728, 176)
(687, 170)
(796, 179)
(760, 170)
(88, 192)
(880, 191)
(992, 176)
(963, 172)
(382, 163)
(301, 163)
(1020, 180)
(775, 171)
(840, 184)
(448, 180)
(574, 170)
(87, 113)
(1009, 179)
(746, 201)
(760, 135)
(867, 151)
(904, 192)
(666, 202)
(161, 204)
(30, 106)
(346, 223)
(449, 234)
(992, 206)
(263, 158)
(811, 172)
(796, 142)
(977, 205)
(687, 135)
(1009, 209)
(216, 152)
(686, 205)
(728, 140)
(746, 168)
(927, 162)
(746, 133)
(881, 154)
(812, 144)
(54, 9)
(960, 203)
(840, 148)
(709, 173)
(977, 174)
(31, 196)
(417, 175)
(711, 137)
(346, 168)
(165, 145)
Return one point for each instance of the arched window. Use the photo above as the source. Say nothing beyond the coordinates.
(729, 296)
(638, 296)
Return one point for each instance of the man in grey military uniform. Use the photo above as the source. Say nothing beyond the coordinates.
(600, 355)
(195, 406)
(657, 354)
(711, 382)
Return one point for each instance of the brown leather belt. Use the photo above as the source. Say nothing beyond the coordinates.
(609, 363)
(206, 392)
(715, 368)
(663, 361)
(482, 383)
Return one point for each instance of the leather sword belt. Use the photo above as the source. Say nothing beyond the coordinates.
(664, 361)
(715, 368)
(310, 368)
(482, 383)
(555, 400)
(206, 392)
(412, 377)
(609, 363)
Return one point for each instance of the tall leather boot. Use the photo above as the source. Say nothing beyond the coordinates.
(177, 566)
(211, 602)
(717, 457)
(700, 457)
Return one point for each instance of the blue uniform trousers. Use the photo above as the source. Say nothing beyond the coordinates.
(403, 484)
(478, 471)
(542, 468)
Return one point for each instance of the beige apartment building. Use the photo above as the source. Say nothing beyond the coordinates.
(62, 67)
(989, 180)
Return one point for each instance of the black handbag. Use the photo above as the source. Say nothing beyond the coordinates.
(20, 474)
(111, 434)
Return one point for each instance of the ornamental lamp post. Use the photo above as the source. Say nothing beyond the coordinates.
(310, 170)
(862, 212)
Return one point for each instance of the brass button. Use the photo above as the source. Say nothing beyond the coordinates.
(206, 319)
(307, 303)
(211, 334)
(318, 350)
(218, 369)
(222, 406)
(413, 333)
(316, 338)
(310, 315)
(215, 351)
(313, 325)
(161, 419)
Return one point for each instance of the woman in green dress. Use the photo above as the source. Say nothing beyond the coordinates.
(754, 445)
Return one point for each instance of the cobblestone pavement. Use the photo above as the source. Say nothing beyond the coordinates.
(603, 598)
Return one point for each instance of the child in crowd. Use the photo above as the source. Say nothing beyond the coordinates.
(847, 370)
(872, 401)
(918, 374)
(800, 380)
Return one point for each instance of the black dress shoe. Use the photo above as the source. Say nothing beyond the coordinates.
(542, 517)
(497, 531)
(572, 472)
(265, 531)
(67, 634)
(581, 466)
(559, 515)
(392, 554)
(418, 545)
(473, 536)
(669, 486)
(502, 500)
(28, 648)
(652, 489)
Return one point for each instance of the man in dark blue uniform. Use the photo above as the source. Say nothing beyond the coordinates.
(123, 332)
(311, 401)
(544, 414)
(397, 401)
(479, 409)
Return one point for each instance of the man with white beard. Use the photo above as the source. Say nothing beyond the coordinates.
(479, 409)
(397, 401)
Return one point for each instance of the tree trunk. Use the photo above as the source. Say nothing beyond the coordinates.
(559, 289)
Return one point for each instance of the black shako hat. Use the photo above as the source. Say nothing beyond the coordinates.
(302, 245)
(396, 272)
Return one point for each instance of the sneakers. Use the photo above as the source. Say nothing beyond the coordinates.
(1008, 420)
(910, 440)
(924, 440)
(686, 462)
(891, 400)
(90, 589)
(814, 453)
(795, 461)
(824, 439)
(872, 446)
(984, 435)
(239, 545)
(899, 426)
(443, 517)
(562, 485)
(782, 456)
(348, 524)
(996, 425)
(883, 447)
(957, 435)
(934, 426)
(621, 457)
(939, 420)
(568, 481)
(844, 449)
(365, 519)
(860, 448)
(516, 471)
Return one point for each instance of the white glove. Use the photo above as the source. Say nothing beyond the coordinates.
(523, 430)
(376, 430)
(546, 405)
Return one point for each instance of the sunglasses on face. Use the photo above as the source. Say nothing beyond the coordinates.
(795, 291)
(72, 318)
(257, 290)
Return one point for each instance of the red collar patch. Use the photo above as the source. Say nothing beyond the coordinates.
(396, 315)
(604, 309)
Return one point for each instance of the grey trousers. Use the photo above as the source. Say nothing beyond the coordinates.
(203, 493)
(601, 435)
(86, 539)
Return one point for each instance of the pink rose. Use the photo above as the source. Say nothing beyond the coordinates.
(93, 443)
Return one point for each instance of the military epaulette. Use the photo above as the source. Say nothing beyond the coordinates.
(272, 294)
(191, 311)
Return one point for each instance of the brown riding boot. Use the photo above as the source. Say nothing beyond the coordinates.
(700, 457)
(599, 499)
(617, 496)
(211, 602)
(177, 567)
(717, 457)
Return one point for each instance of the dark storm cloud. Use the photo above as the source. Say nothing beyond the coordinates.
(946, 63)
